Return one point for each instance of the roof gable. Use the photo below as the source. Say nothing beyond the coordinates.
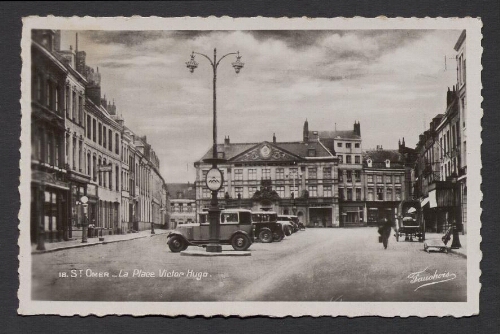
(266, 151)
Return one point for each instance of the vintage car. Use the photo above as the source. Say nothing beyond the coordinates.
(235, 229)
(294, 221)
(266, 227)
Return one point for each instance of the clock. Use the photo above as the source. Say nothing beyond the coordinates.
(214, 179)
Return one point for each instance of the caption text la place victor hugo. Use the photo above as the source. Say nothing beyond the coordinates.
(135, 273)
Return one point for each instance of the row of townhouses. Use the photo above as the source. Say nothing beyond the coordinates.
(441, 163)
(82, 147)
(326, 179)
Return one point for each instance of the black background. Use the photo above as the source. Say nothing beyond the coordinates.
(11, 26)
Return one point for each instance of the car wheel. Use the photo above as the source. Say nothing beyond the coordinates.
(240, 242)
(278, 237)
(266, 236)
(287, 231)
(177, 244)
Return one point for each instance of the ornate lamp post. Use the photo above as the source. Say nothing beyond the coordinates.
(214, 179)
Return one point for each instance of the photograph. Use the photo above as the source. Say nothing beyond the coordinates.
(259, 166)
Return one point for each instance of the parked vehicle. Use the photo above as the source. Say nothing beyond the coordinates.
(236, 229)
(266, 226)
(294, 221)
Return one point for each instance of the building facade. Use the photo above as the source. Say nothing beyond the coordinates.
(441, 165)
(182, 197)
(80, 147)
(286, 177)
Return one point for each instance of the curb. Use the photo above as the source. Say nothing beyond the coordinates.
(452, 251)
(91, 244)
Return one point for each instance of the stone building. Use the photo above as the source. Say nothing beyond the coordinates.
(286, 177)
(182, 197)
(384, 184)
(77, 150)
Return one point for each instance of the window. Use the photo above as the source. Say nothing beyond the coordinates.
(221, 193)
(252, 174)
(280, 173)
(111, 177)
(347, 145)
(281, 191)
(357, 175)
(339, 144)
(238, 191)
(100, 134)
(88, 164)
(341, 159)
(341, 175)
(327, 172)
(349, 175)
(94, 130)
(94, 169)
(294, 191)
(294, 173)
(388, 179)
(110, 138)
(67, 99)
(251, 191)
(104, 136)
(397, 178)
(99, 174)
(356, 145)
(48, 93)
(266, 173)
(104, 175)
(117, 143)
(380, 194)
(238, 174)
(357, 159)
(397, 194)
(204, 175)
(80, 107)
(74, 115)
(312, 173)
(117, 181)
(341, 194)
(57, 100)
(73, 154)
(370, 194)
(348, 159)
(379, 178)
(205, 193)
(349, 194)
(229, 218)
(369, 178)
(311, 152)
(388, 194)
(358, 194)
(89, 126)
(327, 191)
(313, 191)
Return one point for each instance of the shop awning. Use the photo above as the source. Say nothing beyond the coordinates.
(424, 201)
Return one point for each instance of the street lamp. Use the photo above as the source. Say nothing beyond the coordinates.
(214, 179)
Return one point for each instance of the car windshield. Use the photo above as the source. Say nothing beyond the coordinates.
(264, 217)
(284, 218)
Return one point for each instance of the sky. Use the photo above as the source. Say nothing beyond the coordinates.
(392, 81)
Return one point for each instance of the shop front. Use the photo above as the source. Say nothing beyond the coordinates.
(378, 211)
(352, 214)
(49, 202)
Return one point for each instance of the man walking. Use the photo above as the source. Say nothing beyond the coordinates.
(385, 231)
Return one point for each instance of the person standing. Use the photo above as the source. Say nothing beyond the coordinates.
(385, 231)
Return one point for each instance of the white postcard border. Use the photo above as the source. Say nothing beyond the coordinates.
(273, 309)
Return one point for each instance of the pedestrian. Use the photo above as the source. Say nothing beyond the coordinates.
(385, 231)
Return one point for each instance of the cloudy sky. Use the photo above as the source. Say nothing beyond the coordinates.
(393, 82)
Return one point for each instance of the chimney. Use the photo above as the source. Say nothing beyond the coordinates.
(226, 141)
(305, 132)
(357, 128)
(94, 93)
(57, 40)
(274, 138)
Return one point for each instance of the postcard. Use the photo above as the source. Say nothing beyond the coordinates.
(250, 166)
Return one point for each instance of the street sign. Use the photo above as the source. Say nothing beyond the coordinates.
(214, 179)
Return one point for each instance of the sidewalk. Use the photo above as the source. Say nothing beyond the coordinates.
(76, 243)
(463, 241)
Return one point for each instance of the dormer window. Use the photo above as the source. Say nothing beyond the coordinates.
(387, 163)
(311, 152)
(369, 162)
